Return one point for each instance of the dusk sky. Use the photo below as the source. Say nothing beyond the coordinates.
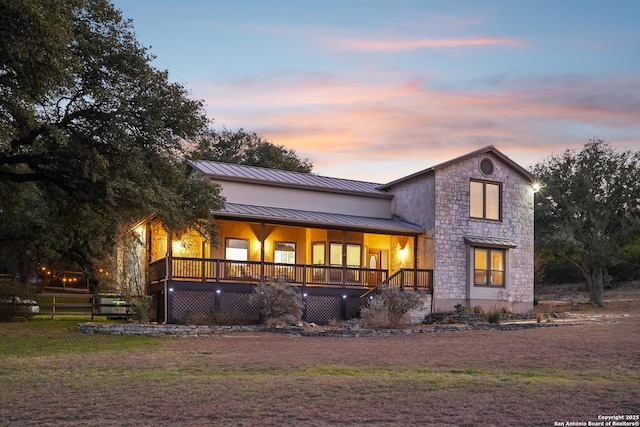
(375, 90)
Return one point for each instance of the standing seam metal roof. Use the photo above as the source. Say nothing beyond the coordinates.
(321, 219)
(233, 172)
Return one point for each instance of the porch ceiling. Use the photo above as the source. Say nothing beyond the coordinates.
(317, 219)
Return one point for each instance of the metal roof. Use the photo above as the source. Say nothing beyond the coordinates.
(488, 149)
(317, 219)
(490, 242)
(233, 172)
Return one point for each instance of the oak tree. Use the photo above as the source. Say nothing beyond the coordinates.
(588, 209)
(90, 132)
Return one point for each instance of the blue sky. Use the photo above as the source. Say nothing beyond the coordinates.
(375, 90)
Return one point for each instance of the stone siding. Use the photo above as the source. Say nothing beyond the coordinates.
(439, 201)
(452, 273)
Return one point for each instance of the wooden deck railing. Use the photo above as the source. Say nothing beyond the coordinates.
(412, 279)
(217, 270)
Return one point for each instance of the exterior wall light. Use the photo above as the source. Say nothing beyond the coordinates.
(537, 186)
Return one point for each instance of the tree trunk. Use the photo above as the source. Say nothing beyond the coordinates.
(597, 291)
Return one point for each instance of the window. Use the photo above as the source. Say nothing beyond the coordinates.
(484, 200)
(237, 250)
(285, 253)
(317, 253)
(354, 256)
(488, 267)
(335, 253)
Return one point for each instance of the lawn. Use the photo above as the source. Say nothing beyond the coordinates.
(50, 374)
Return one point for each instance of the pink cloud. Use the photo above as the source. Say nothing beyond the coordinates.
(340, 123)
(371, 45)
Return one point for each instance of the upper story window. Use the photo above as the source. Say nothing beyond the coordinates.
(484, 200)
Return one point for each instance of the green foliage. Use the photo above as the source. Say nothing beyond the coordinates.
(389, 307)
(278, 300)
(91, 134)
(588, 209)
(249, 149)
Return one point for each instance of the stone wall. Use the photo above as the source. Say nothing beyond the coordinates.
(439, 200)
(452, 273)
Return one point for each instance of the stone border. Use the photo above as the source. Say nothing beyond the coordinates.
(156, 330)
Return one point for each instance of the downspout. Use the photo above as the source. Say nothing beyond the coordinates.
(263, 233)
(168, 274)
(344, 258)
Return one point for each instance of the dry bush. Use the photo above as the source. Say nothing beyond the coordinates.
(389, 307)
(278, 299)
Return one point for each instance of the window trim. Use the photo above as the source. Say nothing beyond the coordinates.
(484, 199)
(226, 247)
(488, 270)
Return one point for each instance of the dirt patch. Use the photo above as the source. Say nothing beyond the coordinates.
(471, 377)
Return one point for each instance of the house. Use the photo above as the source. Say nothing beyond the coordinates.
(460, 232)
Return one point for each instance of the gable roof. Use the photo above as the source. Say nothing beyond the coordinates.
(488, 149)
(275, 177)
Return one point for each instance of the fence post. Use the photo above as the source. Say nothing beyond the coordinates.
(53, 308)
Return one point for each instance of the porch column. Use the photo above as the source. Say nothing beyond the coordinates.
(169, 254)
(344, 258)
(415, 263)
(263, 233)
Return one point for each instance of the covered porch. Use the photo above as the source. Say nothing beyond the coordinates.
(336, 260)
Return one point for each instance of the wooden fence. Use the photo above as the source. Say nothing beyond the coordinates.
(64, 304)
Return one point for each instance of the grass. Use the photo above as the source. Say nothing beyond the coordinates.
(44, 337)
(532, 377)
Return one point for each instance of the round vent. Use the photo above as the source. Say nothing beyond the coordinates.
(486, 166)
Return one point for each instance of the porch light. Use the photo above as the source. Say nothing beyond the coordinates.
(344, 297)
(304, 295)
(218, 291)
(170, 289)
(403, 253)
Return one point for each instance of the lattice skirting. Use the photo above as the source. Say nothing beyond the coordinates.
(196, 302)
(236, 305)
(322, 309)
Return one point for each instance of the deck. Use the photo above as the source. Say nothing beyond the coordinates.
(252, 272)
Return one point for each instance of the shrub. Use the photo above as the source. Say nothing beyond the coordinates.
(493, 315)
(477, 309)
(278, 300)
(389, 307)
(375, 314)
(459, 308)
(16, 301)
(141, 307)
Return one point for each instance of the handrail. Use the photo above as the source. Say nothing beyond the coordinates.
(216, 270)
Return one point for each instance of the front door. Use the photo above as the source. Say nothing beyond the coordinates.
(374, 277)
